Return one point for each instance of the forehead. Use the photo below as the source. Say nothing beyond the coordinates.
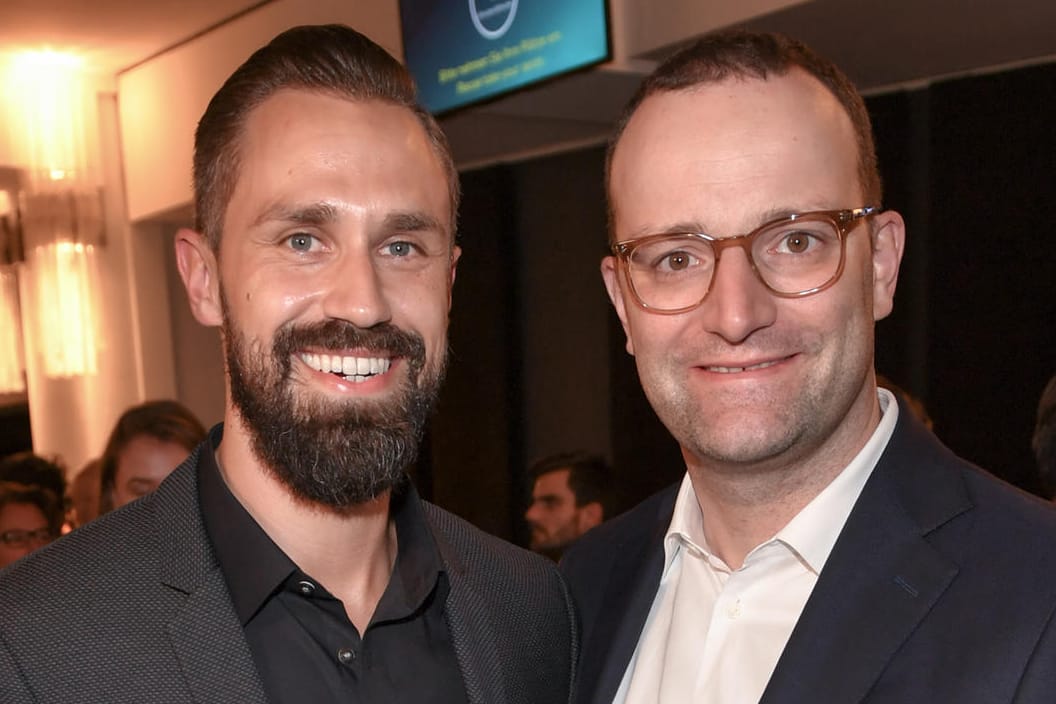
(760, 145)
(300, 144)
(553, 482)
(21, 515)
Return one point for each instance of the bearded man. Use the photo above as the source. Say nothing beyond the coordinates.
(289, 559)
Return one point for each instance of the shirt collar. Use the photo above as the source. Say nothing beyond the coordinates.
(814, 530)
(254, 567)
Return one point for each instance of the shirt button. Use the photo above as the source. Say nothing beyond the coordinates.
(306, 587)
(346, 655)
(734, 610)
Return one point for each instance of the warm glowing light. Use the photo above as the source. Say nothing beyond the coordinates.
(11, 366)
(62, 285)
(48, 104)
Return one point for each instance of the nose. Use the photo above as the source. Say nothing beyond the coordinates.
(356, 292)
(532, 514)
(738, 303)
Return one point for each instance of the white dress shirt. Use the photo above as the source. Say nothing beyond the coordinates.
(714, 634)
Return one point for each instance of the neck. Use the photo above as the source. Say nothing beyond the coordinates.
(350, 551)
(744, 505)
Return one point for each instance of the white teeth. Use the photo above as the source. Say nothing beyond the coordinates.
(356, 369)
(734, 370)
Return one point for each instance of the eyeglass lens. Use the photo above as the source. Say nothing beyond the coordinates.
(23, 538)
(790, 257)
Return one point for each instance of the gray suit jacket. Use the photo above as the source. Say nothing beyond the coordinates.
(941, 588)
(134, 608)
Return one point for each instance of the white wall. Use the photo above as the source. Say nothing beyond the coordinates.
(162, 99)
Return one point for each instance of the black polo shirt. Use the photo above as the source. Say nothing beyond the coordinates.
(303, 644)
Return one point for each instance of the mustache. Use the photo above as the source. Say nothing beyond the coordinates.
(384, 339)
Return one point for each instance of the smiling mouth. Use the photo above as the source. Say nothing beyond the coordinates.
(353, 369)
(737, 370)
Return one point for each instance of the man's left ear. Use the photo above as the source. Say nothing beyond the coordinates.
(590, 515)
(889, 239)
(456, 253)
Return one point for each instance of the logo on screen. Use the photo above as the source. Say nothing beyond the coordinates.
(492, 18)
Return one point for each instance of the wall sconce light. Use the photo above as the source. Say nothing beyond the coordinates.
(12, 365)
(50, 110)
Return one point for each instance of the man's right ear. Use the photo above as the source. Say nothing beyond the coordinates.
(610, 273)
(198, 268)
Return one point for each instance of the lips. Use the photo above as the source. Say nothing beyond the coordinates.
(729, 369)
(351, 368)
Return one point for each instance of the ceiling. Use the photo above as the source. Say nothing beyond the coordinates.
(882, 44)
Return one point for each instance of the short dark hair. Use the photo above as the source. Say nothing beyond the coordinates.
(1044, 440)
(588, 476)
(32, 469)
(165, 420)
(42, 497)
(329, 59)
(737, 53)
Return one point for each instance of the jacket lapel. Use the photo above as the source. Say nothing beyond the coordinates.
(472, 636)
(204, 630)
(207, 639)
(882, 577)
(628, 598)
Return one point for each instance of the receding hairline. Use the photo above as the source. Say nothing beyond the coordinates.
(730, 78)
(439, 150)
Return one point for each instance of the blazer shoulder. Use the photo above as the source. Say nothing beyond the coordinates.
(511, 603)
(644, 523)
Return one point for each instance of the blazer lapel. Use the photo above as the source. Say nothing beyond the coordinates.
(881, 579)
(628, 597)
(204, 630)
(472, 636)
(207, 639)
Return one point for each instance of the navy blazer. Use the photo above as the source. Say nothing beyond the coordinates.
(941, 588)
(134, 607)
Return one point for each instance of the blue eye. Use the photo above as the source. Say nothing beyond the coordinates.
(400, 249)
(301, 242)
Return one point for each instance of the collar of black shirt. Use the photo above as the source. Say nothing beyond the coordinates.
(254, 567)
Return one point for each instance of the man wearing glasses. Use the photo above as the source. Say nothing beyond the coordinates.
(823, 546)
(30, 518)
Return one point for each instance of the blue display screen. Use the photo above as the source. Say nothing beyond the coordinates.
(465, 51)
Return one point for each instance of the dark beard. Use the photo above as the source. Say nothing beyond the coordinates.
(326, 452)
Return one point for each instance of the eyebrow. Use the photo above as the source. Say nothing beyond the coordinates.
(412, 222)
(311, 214)
(679, 228)
(323, 213)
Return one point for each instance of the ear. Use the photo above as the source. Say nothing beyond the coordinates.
(590, 515)
(456, 254)
(889, 239)
(610, 273)
(198, 268)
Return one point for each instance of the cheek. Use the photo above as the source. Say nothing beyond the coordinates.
(423, 305)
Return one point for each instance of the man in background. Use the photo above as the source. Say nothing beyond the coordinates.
(823, 545)
(1043, 441)
(289, 559)
(569, 493)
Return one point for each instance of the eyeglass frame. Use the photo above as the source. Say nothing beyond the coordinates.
(845, 220)
(17, 538)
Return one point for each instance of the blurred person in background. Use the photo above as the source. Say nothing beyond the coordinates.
(569, 497)
(85, 494)
(30, 518)
(147, 443)
(1044, 440)
(32, 469)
